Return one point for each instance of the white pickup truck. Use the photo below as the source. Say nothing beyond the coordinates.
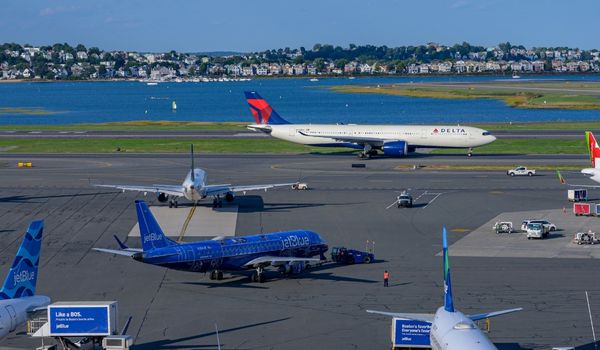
(520, 171)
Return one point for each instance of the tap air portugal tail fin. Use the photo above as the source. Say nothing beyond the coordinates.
(263, 113)
(593, 149)
(22, 276)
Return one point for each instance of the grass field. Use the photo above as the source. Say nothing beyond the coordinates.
(520, 96)
(138, 125)
(526, 146)
(54, 145)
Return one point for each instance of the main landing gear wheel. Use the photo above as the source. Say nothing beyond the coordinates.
(217, 202)
(172, 204)
(470, 152)
(258, 275)
(216, 275)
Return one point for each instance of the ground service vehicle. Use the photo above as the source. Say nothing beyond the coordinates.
(585, 238)
(300, 186)
(579, 195)
(344, 255)
(404, 200)
(583, 209)
(537, 230)
(503, 227)
(521, 171)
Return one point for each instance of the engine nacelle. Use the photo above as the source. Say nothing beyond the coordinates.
(163, 197)
(395, 148)
(229, 197)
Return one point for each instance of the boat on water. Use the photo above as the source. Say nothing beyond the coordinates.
(151, 83)
(516, 76)
(351, 78)
(314, 79)
(174, 105)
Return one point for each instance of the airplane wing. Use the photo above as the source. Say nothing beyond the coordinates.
(563, 181)
(347, 138)
(214, 190)
(270, 260)
(115, 251)
(493, 314)
(405, 316)
(171, 190)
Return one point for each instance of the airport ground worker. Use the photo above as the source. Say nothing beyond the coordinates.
(386, 277)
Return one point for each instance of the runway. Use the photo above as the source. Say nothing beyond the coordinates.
(325, 307)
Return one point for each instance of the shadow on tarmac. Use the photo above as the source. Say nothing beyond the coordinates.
(173, 343)
(28, 199)
(511, 346)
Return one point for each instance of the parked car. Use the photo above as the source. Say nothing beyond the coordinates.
(521, 171)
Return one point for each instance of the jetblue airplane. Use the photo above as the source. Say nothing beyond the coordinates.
(392, 140)
(194, 188)
(450, 328)
(594, 171)
(17, 297)
(289, 251)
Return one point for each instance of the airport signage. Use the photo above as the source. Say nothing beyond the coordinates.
(79, 320)
(410, 333)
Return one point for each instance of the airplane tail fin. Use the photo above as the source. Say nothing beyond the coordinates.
(593, 149)
(151, 234)
(22, 276)
(448, 303)
(261, 110)
(192, 164)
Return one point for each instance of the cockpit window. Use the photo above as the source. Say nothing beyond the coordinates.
(486, 133)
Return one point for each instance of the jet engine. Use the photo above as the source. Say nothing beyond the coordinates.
(163, 197)
(395, 148)
(229, 196)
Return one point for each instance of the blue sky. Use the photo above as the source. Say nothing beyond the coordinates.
(236, 25)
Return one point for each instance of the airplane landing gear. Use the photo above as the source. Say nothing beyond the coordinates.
(217, 202)
(258, 275)
(172, 203)
(470, 152)
(216, 275)
(367, 152)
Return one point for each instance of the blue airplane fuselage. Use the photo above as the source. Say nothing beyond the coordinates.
(234, 253)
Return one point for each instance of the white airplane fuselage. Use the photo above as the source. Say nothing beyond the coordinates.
(416, 136)
(13, 312)
(455, 331)
(193, 190)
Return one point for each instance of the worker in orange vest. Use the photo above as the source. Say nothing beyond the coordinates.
(386, 277)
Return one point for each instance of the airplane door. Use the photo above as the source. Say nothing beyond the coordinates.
(13, 317)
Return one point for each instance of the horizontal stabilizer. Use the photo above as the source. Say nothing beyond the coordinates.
(115, 251)
(493, 314)
(405, 316)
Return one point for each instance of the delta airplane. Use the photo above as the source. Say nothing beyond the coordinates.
(17, 296)
(392, 140)
(450, 328)
(289, 250)
(594, 172)
(194, 188)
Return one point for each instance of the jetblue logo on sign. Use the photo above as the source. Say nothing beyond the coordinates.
(151, 237)
(295, 241)
(23, 276)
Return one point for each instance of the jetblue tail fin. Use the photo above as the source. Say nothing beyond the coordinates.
(593, 149)
(448, 303)
(22, 276)
(261, 110)
(151, 234)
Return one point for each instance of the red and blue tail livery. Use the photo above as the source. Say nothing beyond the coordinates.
(263, 113)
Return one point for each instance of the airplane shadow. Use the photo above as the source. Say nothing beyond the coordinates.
(511, 346)
(30, 199)
(167, 344)
(589, 346)
(229, 282)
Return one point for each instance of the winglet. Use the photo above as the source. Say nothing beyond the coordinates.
(448, 303)
(561, 178)
(261, 110)
(22, 276)
(121, 244)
